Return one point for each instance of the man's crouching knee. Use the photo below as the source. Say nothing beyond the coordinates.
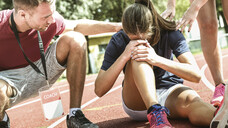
(75, 39)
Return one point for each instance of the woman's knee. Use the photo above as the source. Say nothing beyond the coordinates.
(140, 65)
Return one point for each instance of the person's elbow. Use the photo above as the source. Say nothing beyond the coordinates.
(197, 77)
(98, 90)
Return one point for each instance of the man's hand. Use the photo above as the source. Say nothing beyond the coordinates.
(169, 13)
(188, 19)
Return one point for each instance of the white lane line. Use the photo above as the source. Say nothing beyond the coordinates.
(89, 84)
(17, 106)
(204, 79)
(36, 100)
(84, 105)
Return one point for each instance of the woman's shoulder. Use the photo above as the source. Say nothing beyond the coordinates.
(120, 37)
(171, 32)
(120, 34)
(172, 35)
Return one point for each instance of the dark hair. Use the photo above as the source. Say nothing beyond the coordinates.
(28, 4)
(141, 17)
(137, 19)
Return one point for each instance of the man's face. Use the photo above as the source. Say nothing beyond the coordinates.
(40, 17)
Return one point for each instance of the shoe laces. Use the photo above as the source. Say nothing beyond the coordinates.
(80, 116)
(159, 115)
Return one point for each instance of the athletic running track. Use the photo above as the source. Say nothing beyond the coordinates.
(107, 111)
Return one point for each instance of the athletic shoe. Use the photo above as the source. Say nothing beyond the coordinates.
(78, 120)
(218, 95)
(158, 117)
(5, 124)
(221, 115)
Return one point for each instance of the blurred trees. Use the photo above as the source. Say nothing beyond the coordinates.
(105, 10)
(109, 10)
(5, 4)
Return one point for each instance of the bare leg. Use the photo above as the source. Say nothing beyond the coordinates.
(207, 20)
(183, 103)
(71, 50)
(139, 91)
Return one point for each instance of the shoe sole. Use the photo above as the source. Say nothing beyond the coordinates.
(221, 118)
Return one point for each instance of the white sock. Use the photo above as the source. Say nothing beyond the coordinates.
(72, 111)
(5, 118)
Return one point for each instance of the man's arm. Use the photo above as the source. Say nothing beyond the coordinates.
(91, 27)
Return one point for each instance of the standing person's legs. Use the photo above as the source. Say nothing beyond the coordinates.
(207, 21)
(221, 117)
(184, 102)
(71, 51)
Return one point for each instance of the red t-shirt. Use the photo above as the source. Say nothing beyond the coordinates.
(11, 56)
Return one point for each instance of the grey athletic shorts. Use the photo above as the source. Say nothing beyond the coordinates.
(27, 81)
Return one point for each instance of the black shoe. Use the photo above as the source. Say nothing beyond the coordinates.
(5, 124)
(78, 120)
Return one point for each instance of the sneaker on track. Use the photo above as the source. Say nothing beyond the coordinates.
(221, 115)
(218, 95)
(158, 117)
(78, 120)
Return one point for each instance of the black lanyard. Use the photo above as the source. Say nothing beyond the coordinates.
(40, 46)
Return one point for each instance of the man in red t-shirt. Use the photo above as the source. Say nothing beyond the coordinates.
(19, 80)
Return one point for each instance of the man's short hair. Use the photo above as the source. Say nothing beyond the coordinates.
(29, 4)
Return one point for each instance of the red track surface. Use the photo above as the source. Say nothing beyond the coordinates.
(107, 111)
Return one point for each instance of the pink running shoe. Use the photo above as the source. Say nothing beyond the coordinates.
(221, 115)
(158, 117)
(218, 95)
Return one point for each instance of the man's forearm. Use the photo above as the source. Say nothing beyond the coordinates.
(171, 3)
(197, 4)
